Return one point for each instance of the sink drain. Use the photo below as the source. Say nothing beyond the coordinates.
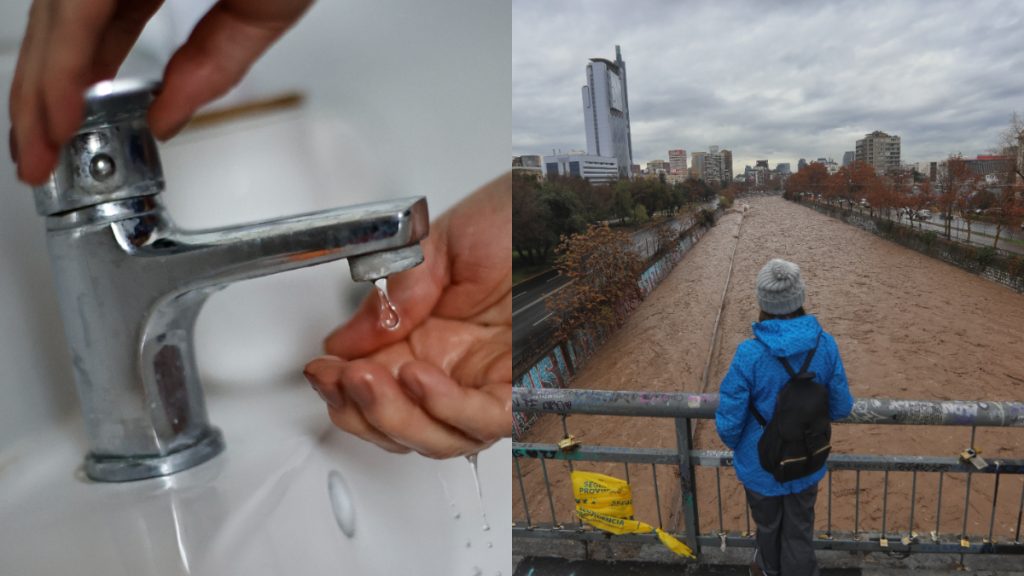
(342, 503)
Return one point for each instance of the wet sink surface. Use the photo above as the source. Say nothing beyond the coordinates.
(261, 507)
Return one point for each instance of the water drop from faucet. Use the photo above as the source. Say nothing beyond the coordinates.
(389, 319)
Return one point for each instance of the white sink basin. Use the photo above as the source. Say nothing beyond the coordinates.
(261, 507)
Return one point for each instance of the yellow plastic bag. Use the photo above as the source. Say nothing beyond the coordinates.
(606, 503)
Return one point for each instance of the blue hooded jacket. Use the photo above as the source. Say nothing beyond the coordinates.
(756, 372)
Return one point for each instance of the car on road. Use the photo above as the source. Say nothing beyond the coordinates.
(922, 215)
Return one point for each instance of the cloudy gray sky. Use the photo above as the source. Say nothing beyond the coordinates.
(775, 80)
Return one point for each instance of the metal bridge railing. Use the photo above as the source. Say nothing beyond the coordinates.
(684, 408)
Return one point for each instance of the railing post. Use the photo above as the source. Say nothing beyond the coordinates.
(687, 484)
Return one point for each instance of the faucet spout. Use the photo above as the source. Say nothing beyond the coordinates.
(217, 257)
(213, 258)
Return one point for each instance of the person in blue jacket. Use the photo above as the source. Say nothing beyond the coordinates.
(783, 512)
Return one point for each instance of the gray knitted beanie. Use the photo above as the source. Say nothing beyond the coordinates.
(780, 290)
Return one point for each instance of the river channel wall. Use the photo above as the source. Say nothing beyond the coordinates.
(555, 364)
(984, 261)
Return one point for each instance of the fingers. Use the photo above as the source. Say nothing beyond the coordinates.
(324, 375)
(218, 53)
(126, 25)
(31, 145)
(374, 407)
(482, 413)
(67, 47)
(76, 30)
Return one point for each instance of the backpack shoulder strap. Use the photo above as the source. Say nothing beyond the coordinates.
(810, 356)
(757, 415)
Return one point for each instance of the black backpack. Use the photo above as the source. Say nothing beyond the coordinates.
(797, 440)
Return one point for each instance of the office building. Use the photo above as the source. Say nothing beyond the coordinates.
(782, 168)
(848, 157)
(697, 166)
(726, 167)
(879, 150)
(829, 164)
(677, 161)
(801, 164)
(528, 165)
(606, 112)
(654, 166)
(597, 169)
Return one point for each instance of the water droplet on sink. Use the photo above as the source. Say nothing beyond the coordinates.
(490, 544)
(469, 544)
(477, 571)
(389, 319)
(472, 458)
(341, 503)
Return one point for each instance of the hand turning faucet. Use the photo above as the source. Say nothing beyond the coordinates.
(131, 284)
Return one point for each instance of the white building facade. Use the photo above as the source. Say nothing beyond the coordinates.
(597, 169)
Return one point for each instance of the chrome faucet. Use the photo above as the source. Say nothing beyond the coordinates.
(131, 284)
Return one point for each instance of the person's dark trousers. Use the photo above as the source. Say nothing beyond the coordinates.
(785, 532)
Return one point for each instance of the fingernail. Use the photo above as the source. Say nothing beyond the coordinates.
(413, 385)
(331, 396)
(13, 145)
(360, 390)
(167, 135)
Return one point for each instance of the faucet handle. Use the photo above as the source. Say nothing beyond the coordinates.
(113, 156)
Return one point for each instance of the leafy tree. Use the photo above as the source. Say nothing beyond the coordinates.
(567, 216)
(640, 214)
(622, 200)
(921, 200)
(541, 215)
(954, 179)
(817, 176)
(603, 268)
(531, 237)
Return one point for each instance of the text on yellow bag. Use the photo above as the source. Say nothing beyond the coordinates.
(606, 503)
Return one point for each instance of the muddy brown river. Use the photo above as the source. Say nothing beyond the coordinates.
(908, 326)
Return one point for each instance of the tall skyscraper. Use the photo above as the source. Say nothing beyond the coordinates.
(848, 157)
(677, 161)
(879, 150)
(606, 111)
(801, 164)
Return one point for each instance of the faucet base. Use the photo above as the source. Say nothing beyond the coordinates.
(125, 469)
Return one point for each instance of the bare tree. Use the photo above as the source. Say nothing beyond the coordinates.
(1011, 143)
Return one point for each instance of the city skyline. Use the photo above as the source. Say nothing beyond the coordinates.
(802, 81)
